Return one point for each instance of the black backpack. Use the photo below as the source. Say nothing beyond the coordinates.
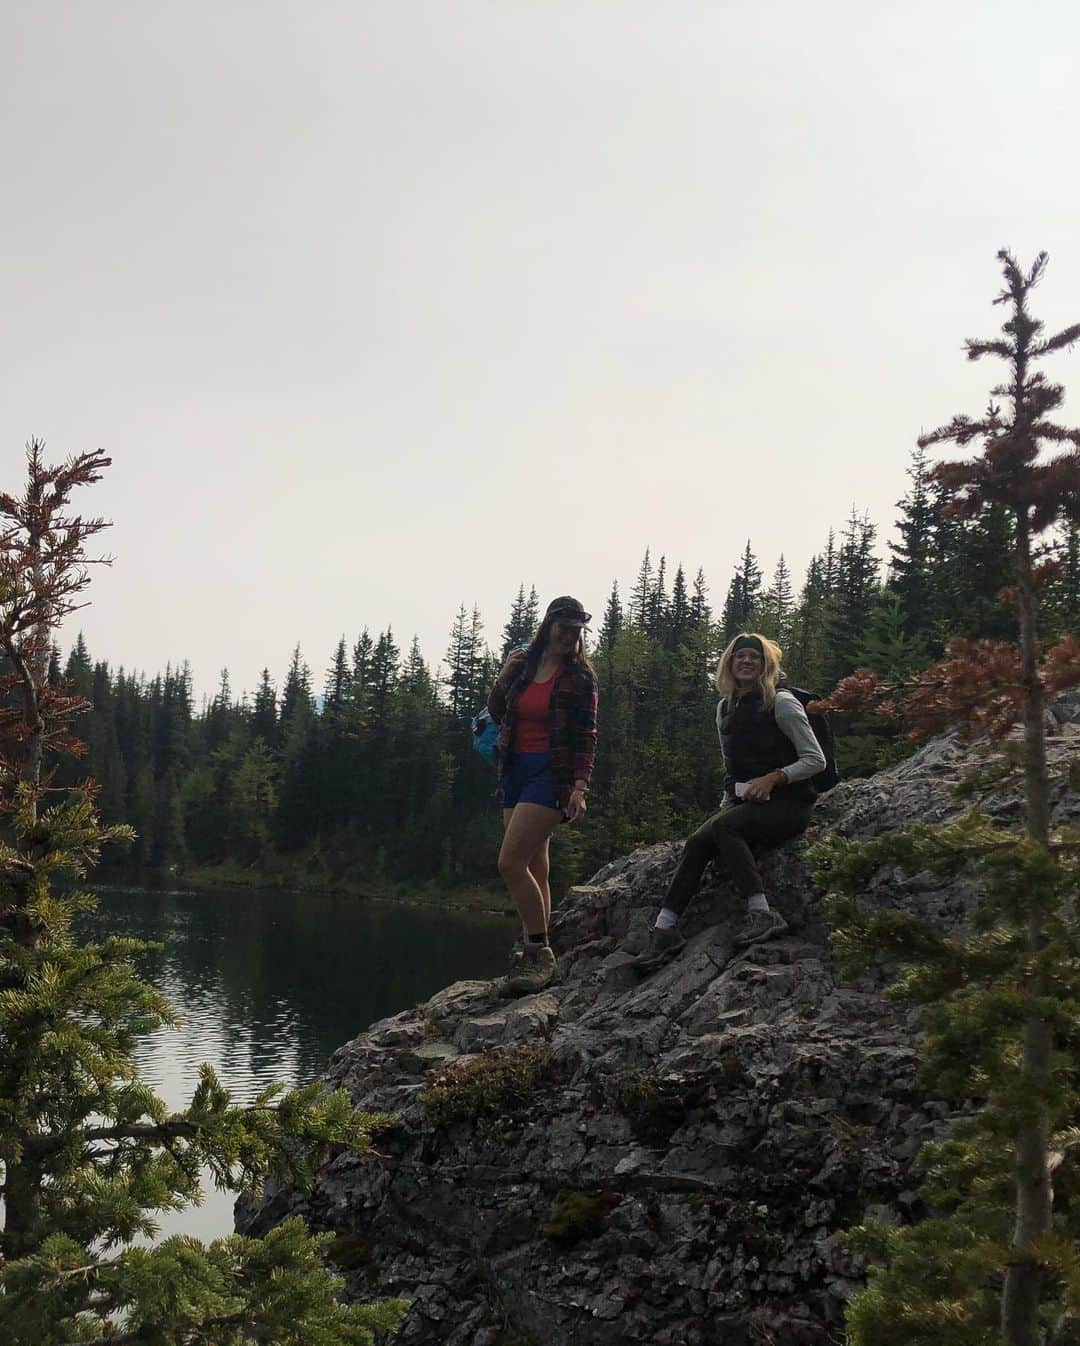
(822, 727)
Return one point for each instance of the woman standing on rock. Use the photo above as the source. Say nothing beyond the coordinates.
(545, 701)
(770, 754)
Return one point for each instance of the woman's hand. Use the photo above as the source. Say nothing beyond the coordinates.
(575, 808)
(761, 787)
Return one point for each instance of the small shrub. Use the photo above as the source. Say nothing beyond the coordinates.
(486, 1088)
(1004, 766)
(655, 1106)
(351, 1252)
(576, 1216)
(857, 754)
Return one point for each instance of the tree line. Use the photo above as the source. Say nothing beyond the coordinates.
(371, 773)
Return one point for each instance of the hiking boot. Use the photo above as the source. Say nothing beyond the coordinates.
(533, 971)
(663, 946)
(760, 925)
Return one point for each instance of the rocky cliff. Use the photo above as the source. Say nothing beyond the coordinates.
(665, 1160)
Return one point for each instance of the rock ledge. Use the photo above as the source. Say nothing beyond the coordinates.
(668, 1160)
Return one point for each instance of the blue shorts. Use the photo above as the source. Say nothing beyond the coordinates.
(528, 780)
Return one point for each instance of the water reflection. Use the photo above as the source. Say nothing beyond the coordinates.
(269, 983)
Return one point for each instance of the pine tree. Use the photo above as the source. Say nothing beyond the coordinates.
(656, 615)
(296, 700)
(803, 659)
(701, 642)
(777, 608)
(102, 749)
(253, 799)
(887, 646)
(522, 622)
(171, 721)
(699, 604)
(743, 595)
(421, 781)
(336, 684)
(854, 592)
(384, 675)
(88, 1153)
(264, 715)
(465, 660)
(302, 796)
(1063, 587)
(1002, 1023)
(910, 574)
(830, 562)
(217, 717)
(678, 613)
(971, 562)
(641, 595)
(359, 687)
(612, 621)
(980, 567)
(79, 671)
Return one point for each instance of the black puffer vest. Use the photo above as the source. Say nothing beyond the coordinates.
(754, 745)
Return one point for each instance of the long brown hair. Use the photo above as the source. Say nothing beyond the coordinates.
(768, 678)
(539, 644)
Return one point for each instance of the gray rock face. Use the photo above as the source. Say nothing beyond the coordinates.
(667, 1160)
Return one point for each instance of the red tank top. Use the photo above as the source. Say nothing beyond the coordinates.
(532, 718)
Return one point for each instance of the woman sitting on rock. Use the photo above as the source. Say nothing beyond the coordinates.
(545, 701)
(770, 754)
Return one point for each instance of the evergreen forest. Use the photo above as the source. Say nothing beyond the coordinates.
(366, 777)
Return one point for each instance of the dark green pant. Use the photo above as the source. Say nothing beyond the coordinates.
(726, 837)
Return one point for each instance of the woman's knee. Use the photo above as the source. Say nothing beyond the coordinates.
(513, 863)
(510, 865)
(700, 844)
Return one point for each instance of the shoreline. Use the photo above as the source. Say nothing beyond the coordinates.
(465, 897)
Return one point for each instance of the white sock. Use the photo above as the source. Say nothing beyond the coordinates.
(667, 919)
(758, 902)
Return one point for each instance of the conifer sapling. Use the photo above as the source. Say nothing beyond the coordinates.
(88, 1153)
(998, 1261)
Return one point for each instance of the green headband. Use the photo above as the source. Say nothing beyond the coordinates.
(748, 643)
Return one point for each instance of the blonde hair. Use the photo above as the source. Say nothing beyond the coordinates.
(770, 674)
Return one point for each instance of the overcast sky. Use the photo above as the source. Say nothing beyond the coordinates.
(385, 307)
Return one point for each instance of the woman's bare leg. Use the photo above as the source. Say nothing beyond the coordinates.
(507, 815)
(527, 832)
(540, 869)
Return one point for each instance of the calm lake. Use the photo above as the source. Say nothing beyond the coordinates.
(269, 983)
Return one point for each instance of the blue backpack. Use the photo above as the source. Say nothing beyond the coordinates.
(485, 731)
(485, 735)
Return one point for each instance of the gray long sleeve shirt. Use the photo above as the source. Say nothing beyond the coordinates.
(793, 724)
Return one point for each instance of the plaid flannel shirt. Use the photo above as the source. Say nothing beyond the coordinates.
(572, 724)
